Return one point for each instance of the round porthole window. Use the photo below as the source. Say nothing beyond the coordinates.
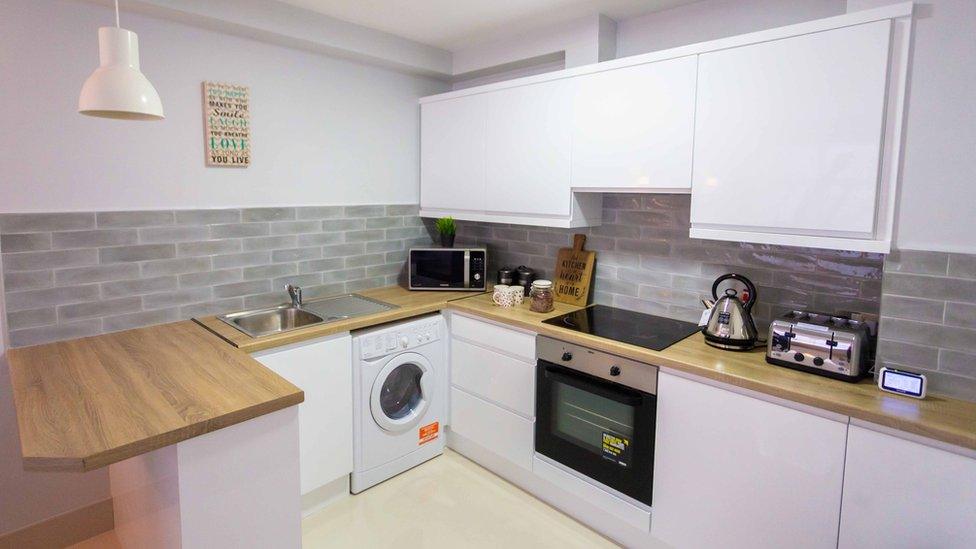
(401, 392)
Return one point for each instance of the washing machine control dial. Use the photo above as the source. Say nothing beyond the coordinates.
(404, 342)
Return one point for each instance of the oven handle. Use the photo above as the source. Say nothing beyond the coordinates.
(630, 397)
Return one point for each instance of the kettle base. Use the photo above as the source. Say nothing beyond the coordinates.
(731, 346)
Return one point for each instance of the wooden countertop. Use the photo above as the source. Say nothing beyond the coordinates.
(940, 418)
(87, 403)
(409, 304)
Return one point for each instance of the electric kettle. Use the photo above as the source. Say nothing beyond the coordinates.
(730, 325)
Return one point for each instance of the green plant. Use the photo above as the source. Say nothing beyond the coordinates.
(446, 225)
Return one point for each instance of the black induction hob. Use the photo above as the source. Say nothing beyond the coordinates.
(643, 330)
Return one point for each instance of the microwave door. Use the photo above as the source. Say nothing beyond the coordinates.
(438, 269)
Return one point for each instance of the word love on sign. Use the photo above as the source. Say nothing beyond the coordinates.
(574, 270)
(227, 124)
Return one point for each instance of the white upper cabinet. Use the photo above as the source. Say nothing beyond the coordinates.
(452, 154)
(735, 471)
(900, 494)
(784, 136)
(788, 135)
(528, 146)
(633, 127)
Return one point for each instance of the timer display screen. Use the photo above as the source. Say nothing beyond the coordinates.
(903, 383)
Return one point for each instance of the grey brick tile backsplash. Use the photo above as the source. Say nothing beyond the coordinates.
(928, 324)
(646, 261)
(76, 274)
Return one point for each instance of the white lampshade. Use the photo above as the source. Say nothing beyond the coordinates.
(117, 89)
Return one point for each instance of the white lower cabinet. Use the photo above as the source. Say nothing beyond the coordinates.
(493, 388)
(902, 494)
(497, 377)
(731, 470)
(323, 369)
(507, 435)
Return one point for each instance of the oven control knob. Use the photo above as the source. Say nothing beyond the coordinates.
(567, 356)
(798, 357)
(615, 370)
(817, 361)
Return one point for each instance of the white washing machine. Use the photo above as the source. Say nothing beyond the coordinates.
(399, 398)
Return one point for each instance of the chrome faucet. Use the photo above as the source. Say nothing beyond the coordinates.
(295, 293)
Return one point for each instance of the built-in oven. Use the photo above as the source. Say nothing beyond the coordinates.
(447, 268)
(595, 415)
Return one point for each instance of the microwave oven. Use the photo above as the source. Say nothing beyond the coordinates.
(447, 268)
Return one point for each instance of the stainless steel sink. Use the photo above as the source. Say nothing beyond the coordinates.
(275, 320)
(284, 318)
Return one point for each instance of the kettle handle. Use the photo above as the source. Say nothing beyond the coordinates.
(753, 294)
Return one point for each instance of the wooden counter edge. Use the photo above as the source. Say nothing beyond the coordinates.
(949, 436)
(149, 444)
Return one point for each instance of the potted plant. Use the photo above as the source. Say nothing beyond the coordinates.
(446, 227)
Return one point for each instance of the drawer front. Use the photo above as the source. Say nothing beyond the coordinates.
(508, 435)
(519, 344)
(493, 376)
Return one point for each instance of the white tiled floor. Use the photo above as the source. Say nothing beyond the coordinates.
(446, 502)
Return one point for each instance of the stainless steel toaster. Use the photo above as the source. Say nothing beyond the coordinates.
(834, 346)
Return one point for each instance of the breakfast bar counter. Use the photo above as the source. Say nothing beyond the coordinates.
(200, 439)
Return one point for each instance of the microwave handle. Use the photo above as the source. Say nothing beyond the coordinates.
(630, 397)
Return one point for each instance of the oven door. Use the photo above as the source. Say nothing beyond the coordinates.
(432, 269)
(598, 428)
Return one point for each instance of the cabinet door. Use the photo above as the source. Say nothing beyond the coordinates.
(788, 133)
(528, 148)
(731, 470)
(323, 369)
(452, 154)
(902, 494)
(633, 127)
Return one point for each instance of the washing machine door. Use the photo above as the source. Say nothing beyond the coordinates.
(402, 392)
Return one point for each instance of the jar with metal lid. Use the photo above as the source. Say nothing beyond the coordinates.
(541, 296)
(506, 275)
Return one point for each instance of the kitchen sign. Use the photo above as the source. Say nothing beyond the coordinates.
(574, 269)
(227, 124)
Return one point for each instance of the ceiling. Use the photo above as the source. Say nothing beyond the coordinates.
(454, 24)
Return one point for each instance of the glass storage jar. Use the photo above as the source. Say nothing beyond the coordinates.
(541, 296)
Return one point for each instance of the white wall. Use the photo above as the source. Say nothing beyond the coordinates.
(324, 131)
(937, 204)
(712, 19)
(584, 41)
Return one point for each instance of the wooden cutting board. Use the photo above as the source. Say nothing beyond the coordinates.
(574, 271)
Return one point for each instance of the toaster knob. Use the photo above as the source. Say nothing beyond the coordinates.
(798, 357)
(817, 361)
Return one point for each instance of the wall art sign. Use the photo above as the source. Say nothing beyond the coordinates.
(574, 270)
(227, 124)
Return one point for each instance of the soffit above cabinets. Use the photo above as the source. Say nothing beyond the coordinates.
(455, 24)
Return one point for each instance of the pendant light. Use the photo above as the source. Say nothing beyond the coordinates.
(117, 89)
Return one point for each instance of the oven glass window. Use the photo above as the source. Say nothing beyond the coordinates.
(599, 425)
(439, 267)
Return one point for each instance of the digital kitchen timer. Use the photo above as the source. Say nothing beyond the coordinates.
(902, 382)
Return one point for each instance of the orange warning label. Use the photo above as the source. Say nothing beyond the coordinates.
(429, 432)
